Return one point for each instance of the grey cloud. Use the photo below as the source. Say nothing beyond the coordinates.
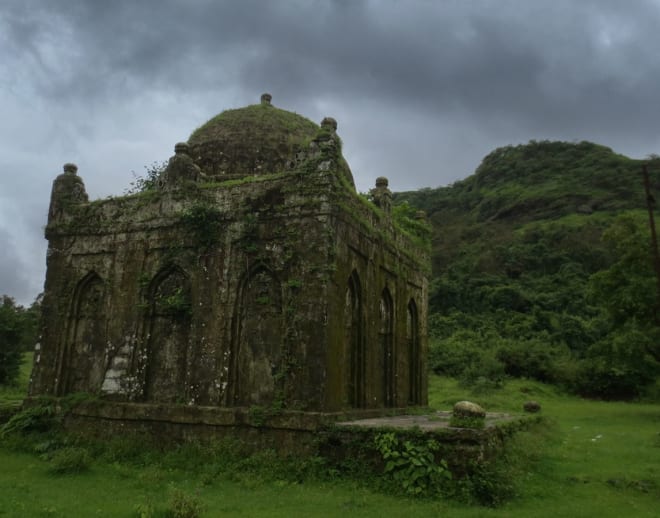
(422, 89)
(439, 55)
(19, 260)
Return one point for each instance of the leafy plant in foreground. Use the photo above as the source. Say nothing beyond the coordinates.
(412, 465)
(38, 418)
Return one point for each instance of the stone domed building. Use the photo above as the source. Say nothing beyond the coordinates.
(252, 276)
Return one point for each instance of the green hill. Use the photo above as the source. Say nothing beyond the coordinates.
(527, 269)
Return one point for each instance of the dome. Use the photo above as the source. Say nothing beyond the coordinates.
(257, 139)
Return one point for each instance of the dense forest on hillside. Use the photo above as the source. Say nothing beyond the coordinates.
(542, 269)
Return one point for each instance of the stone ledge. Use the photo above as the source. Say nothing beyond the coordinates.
(257, 417)
(431, 422)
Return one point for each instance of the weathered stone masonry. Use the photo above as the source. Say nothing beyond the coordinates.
(253, 275)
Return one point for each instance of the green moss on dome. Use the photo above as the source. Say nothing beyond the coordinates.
(260, 118)
(257, 139)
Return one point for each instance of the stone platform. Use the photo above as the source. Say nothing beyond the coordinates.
(427, 422)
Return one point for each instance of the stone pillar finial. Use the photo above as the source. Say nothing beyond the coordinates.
(329, 123)
(180, 168)
(181, 148)
(381, 194)
(266, 98)
(70, 168)
(68, 189)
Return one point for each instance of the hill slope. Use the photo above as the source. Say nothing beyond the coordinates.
(518, 251)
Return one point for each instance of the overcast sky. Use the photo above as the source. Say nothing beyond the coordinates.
(422, 90)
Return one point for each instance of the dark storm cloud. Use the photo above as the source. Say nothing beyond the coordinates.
(422, 89)
(537, 63)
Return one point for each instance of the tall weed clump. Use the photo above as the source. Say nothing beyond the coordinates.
(69, 460)
(180, 504)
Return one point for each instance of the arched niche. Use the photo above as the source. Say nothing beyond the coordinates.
(257, 340)
(85, 356)
(414, 356)
(168, 325)
(354, 342)
(386, 343)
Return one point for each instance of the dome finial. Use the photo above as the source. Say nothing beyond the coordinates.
(266, 98)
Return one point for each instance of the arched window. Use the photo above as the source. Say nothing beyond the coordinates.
(257, 344)
(386, 338)
(414, 360)
(168, 326)
(84, 359)
(354, 340)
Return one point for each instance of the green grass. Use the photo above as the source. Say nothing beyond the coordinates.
(598, 459)
(26, 489)
(603, 458)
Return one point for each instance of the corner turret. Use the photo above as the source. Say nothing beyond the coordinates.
(180, 167)
(68, 189)
(382, 195)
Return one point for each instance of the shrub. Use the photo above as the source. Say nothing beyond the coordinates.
(70, 460)
(451, 356)
(180, 504)
(38, 418)
(533, 358)
(484, 373)
(183, 505)
(412, 465)
(620, 366)
(470, 357)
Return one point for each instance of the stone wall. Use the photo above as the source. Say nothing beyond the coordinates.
(285, 290)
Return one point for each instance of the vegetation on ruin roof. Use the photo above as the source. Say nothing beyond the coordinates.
(402, 220)
(244, 180)
(259, 119)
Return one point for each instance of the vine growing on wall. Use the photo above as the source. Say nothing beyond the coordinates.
(203, 223)
(176, 303)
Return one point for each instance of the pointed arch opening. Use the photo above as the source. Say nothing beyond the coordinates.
(414, 357)
(354, 342)
(386, 339)
(169, 325)
(257, 339)
(83, 366)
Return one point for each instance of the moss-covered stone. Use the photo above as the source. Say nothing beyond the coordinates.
(258, 279)
(257, 139)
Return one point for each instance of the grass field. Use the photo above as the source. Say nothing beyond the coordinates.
(598, 459)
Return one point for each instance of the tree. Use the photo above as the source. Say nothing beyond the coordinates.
(10, 341)
(30, 320)
(624, 361)
(627, 288)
